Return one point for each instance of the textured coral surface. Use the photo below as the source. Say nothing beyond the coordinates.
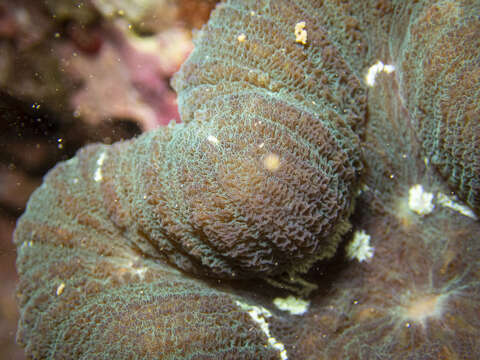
(73, 73)
(187, 241)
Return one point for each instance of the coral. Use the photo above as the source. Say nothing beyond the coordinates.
(105, 77)
(416, 298)
(441, 92)
(359, 248)
(108, 275)
(188, 240)
(262, 200)
(126, 77)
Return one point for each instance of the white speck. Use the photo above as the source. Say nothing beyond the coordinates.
(258, 315)
(420, 201)
(373, 70)
(140, 272)
(388, 69)
(98, 172)
(359, 248)
(271, 162)
(212, 139)
(293, 305)
(300, 33)
(261, 145)
(60, 289)
(446, 201)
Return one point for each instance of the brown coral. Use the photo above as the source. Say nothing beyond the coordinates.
(259, 182)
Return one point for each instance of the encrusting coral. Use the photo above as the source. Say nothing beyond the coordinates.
(178, 244)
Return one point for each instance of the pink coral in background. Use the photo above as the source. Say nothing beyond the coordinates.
(128, 78)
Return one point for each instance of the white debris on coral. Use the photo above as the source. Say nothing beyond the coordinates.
(300, 33)
(212, 139)
(375, 69)
(293, 305)
(359, 248)
(446, 201)
(420, 201)
(258, 315)
(98, 172)
(60, 289)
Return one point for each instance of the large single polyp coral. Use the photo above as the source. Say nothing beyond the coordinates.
(197, 239)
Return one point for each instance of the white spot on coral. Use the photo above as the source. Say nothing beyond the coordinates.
(388, 69)
(60, 289)
(420, 201)
(98, 172)
(136, 270)
(212, 139)
(375, 69)
(446, 201)
(359, 248)
(271, 162)
(258, 315)
(293, 305)
(300, 33)
(241, 38)
(140, 272)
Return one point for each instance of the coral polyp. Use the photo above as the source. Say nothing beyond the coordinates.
(319, 200)
(417, 298)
